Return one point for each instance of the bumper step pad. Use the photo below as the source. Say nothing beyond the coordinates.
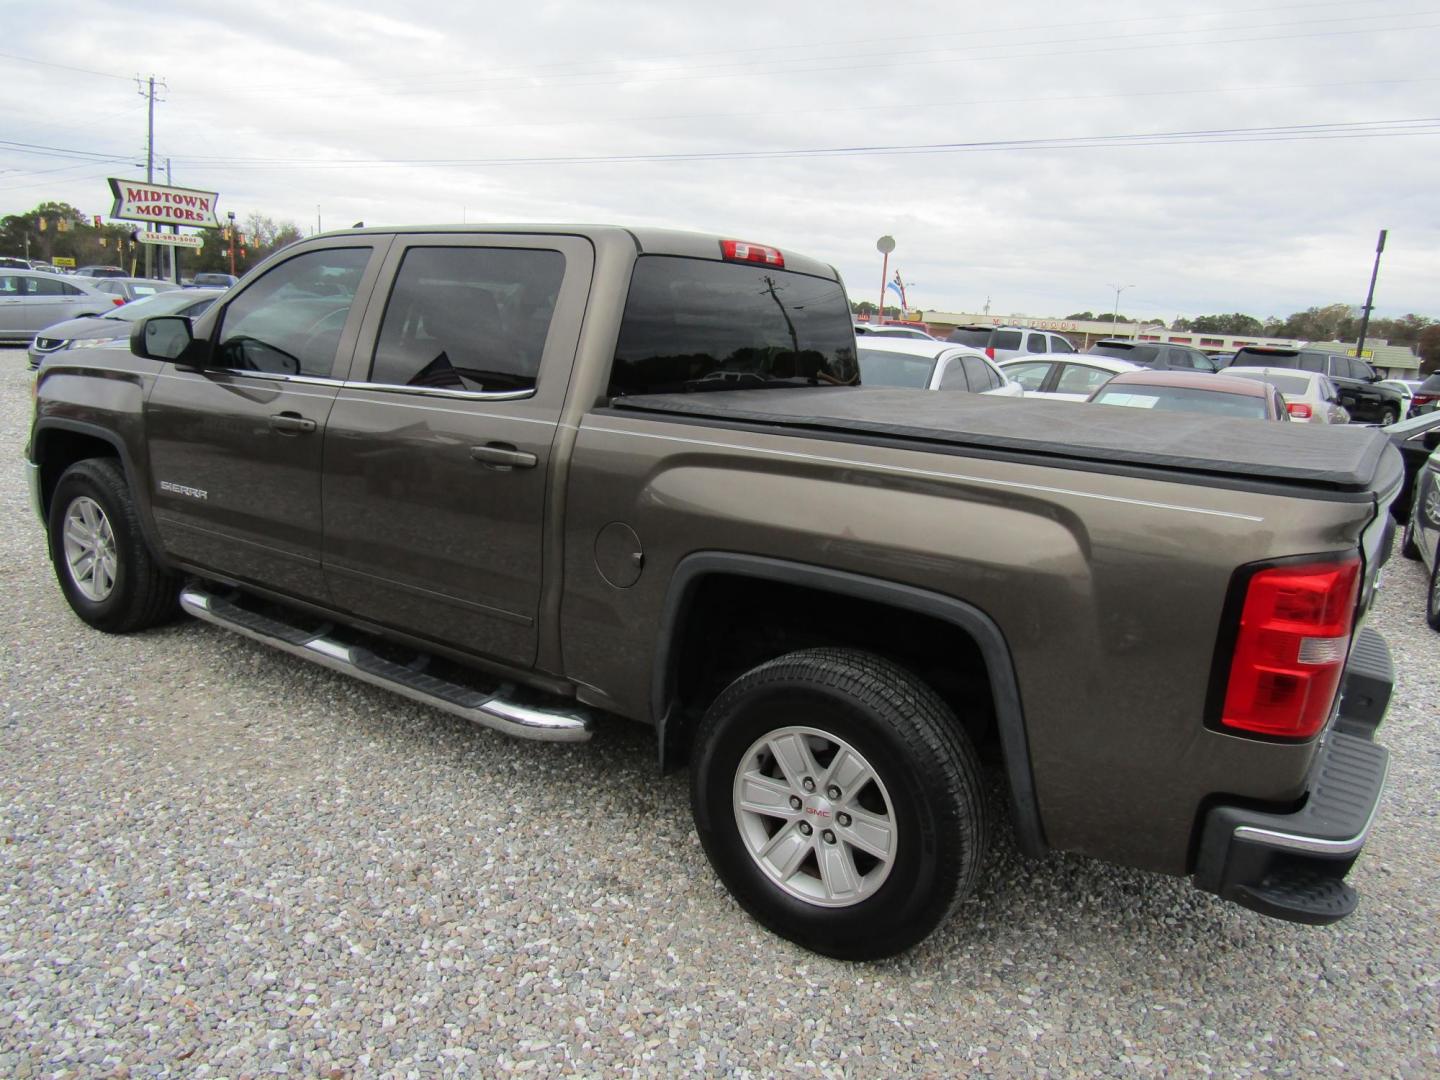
(1301, 892)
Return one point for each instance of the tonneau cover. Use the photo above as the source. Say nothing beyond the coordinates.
(1335, 458)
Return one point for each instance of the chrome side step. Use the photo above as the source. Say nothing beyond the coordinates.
(358, 662)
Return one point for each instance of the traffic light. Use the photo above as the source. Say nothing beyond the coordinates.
(97, 221)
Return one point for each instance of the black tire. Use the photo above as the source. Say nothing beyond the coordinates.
(1432, 594)
(1389, 415)
(1408, 547)
(143, 593)
(915, 747)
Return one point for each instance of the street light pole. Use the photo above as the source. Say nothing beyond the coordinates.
(1115, 311)
(1370, 297)
(231, 215)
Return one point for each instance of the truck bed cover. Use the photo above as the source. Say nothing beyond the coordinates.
(1322, 457)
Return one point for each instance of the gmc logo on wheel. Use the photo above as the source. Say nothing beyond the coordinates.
(817, 812)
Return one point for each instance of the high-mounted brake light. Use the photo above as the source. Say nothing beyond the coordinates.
(1298, 408)
(742, 251)
(1290, 651)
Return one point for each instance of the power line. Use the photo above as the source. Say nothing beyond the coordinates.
(1281, 133)
(62, 67)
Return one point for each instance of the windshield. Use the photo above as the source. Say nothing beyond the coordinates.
(1294, 385)
(695, 324)
(1182, 399)
(1136, 354)
(161, 303)
(895, 369)
(975, 338)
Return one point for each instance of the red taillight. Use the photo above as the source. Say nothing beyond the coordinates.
(1422, 399)
(990, 352)
(1290, 652)
(741, 251)
(1298, 408)
(119, 301)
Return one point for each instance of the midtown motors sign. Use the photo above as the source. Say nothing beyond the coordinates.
(135, 200)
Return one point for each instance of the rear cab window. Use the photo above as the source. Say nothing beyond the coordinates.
(695, 325)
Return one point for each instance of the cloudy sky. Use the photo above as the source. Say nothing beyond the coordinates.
(1211, 157)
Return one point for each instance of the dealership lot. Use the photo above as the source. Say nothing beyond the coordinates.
(216, 860)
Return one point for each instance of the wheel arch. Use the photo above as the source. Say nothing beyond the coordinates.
(58, 442)
(695, 570)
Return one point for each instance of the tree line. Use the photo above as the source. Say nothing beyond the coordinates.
(57, 229)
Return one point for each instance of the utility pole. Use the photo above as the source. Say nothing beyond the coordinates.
(1370, 297)
(1115, 311)
(148, 91)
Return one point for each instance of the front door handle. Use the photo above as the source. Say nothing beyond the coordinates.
(289, 423)
(503, 456)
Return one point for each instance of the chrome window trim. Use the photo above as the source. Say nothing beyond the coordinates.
(272, 376)
(441, 392)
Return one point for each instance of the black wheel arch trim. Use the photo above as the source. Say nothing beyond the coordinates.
(127, 463)
(1004, 688)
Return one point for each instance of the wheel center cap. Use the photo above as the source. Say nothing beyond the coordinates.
(818, 811)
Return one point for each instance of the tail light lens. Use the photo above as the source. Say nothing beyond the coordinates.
(119, 301)
(1299, 409)
(1290, 651)
(1421, 399)
(990, 351)
(742, 251)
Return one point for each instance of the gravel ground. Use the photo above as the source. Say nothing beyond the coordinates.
(216, 860)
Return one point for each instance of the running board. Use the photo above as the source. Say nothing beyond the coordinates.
(358, 662)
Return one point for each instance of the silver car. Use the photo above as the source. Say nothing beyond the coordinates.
(1310, 398)
(31, 300)
(89, 331)
(132, 288)
(931, 365)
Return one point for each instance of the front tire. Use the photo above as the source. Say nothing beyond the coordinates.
(105, 570)
(1408, 547)
(1389, 415)
(839, 801)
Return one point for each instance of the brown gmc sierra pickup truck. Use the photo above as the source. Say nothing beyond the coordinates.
(534, 474)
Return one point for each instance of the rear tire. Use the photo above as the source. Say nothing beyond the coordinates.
(104, 567)
(1432, 594)
(1408, 547)
(840, 801)
(1389, 415)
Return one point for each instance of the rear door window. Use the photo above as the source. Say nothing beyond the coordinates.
(468, 318)
(1036, 343)
(954, 376)
(1060, 344)
(1005, 339)
(980, 376)
(697, 324)
(1312, 362)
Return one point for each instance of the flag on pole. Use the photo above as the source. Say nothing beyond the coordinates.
(898, 288)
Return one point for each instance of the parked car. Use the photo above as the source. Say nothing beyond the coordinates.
(1406, 389)
(1193, 391)
(1221, 358)
(210, 280)
(1427, 396)
(1364, 399)
(1073, 379)
(1310, 398)
(101, 271)
(931, 365)
(1158, 355)
(488, 469)
(31, 300)
(1416, 438)
(1421, 539)
(1001, 343)
(14, 262)
(130, 288)
(89, 331)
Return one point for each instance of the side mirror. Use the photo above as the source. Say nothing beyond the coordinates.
(1431, 439)
(161, 337)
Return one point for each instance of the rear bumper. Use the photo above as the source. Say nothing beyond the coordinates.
(1293, 865)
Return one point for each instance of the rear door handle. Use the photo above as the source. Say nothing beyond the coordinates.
(503, 456)
(289, 423)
